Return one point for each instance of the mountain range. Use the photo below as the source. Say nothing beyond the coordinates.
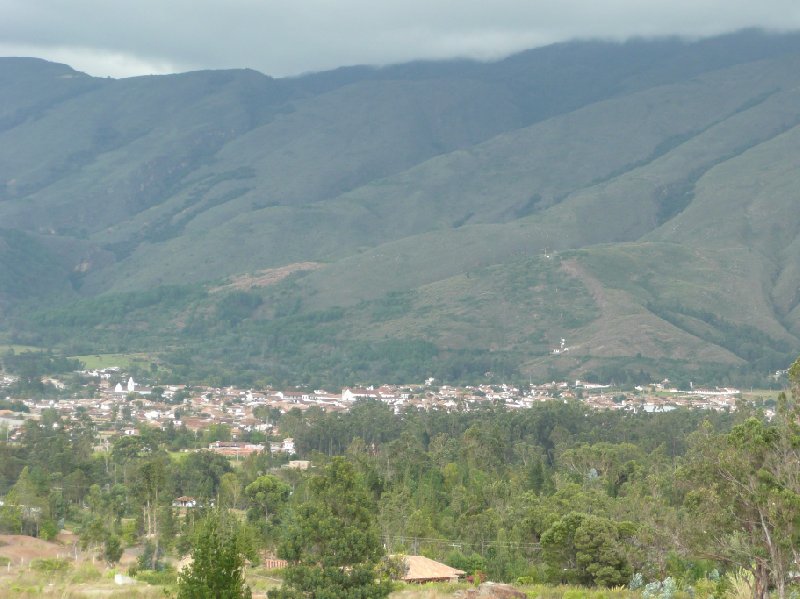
(610, 210)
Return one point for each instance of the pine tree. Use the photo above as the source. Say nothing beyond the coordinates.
(217, 568)
(332, 541)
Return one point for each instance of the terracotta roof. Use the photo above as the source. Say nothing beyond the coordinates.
(423, 568)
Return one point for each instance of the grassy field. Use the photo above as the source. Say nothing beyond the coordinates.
(81, 582)
(761, 395)
(51, 578)
(18, 348)
(123, 361)
(89, 581)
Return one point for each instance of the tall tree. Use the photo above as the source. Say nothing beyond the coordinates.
(217, 568)
(745, 497)
(151, 478)
(24, 507)
(332, 541)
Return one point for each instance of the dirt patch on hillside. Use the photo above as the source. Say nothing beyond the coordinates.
(595, 287)
(265, 278)
(20, 548)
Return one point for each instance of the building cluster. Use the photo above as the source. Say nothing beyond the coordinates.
(121, 405)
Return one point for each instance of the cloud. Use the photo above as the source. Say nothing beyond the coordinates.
(283, 37)
(95, 61)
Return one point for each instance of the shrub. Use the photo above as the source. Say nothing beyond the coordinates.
(738, 584)
(668, 588)
(48, 530)
(167, 576)
(705, 589)
(651, 590)
(50, 565)
(637, 581)
(86, 573)
(665, 589)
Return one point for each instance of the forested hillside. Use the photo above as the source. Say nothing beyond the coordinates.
(442, 218)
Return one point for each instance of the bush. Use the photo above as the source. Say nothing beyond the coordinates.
(637, 581)
(86, 573)
(165, 577)
(661, 590)
(48, 530)
(468, 563)
(393, 567)
(705, 589)
(50, 565)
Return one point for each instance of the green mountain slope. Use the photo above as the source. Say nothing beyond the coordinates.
(514, 175)
(28, 269)
(636, 200)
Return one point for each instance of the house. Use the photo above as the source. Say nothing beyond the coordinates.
(293, 396)
(184, 502)
(351, 395)
(297, 465)
(285, 446)
(422, 569)
(234, 448)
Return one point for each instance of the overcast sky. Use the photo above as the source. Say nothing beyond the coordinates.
(122, 38)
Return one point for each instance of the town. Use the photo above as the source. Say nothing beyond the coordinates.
(246, 419)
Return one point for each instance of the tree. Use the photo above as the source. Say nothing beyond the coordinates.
(230, 489)
(151, 477)
(588, 549)
(23, 507)
(112, 550)
(267, 496)
(217, 568)
(332, 542)
(744, 496)
(99, 522)
(200, 473)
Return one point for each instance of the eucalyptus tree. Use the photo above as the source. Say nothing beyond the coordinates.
(744, 496)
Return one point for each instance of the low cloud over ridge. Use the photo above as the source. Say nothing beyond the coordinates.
(284, 38)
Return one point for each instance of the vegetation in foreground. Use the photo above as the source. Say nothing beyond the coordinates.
(550, 495)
